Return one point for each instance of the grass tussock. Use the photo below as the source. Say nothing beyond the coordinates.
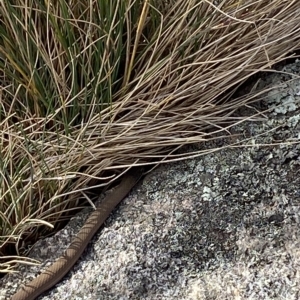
(93, 86)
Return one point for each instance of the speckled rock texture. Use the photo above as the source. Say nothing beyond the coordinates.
(225, 225)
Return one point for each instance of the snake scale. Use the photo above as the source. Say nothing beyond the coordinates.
(61, 267)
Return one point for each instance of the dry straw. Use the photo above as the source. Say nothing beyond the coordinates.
(88, 87)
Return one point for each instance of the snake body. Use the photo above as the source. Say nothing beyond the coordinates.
(61, 267)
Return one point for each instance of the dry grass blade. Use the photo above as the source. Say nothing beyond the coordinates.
(95, 87)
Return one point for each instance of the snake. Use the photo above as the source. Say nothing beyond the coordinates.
(51, 276)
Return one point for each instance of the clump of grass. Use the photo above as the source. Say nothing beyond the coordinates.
(89, 88)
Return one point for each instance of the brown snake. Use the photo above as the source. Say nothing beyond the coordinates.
(61, 267)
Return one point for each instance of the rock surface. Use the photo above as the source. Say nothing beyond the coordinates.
(225, 225)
